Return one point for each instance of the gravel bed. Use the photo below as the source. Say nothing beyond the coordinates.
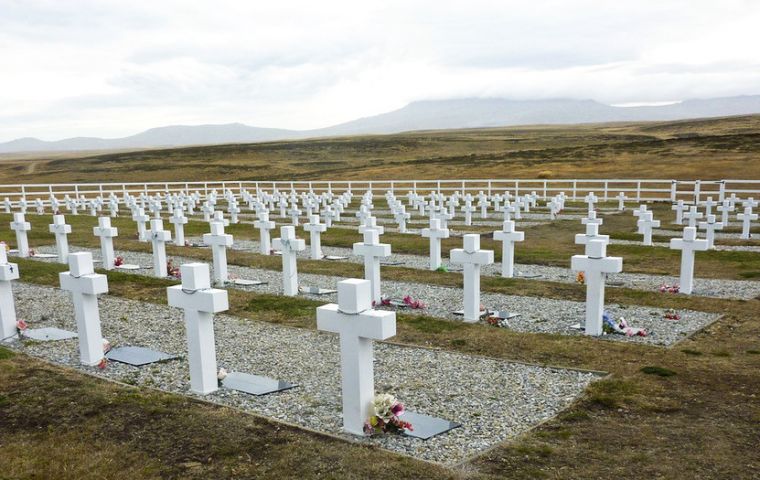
(679, 233)
(718, 288)
(493, 399)
(722, 248)
(537, 315)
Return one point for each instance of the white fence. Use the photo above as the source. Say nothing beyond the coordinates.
(575, 189)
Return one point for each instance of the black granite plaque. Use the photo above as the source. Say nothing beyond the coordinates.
(137, 356)
(48, 334)
(254, 384)
(425, 426)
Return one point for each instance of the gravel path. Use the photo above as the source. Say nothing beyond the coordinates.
(493, 399)
(537, 315)
(722, 248)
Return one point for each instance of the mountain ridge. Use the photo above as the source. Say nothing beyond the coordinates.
(418, 115)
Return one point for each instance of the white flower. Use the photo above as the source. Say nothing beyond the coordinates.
(222, 374)
(383, 404)
(106, 345)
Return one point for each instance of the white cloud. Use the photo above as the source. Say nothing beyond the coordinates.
(112, 68)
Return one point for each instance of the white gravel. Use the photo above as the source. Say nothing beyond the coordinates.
(493, 399)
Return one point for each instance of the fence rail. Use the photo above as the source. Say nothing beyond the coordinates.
(606, 189)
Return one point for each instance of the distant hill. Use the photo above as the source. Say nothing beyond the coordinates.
(423, 115)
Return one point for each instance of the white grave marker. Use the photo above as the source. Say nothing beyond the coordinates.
(508, 236)
(106, 232)
(179, 220)
(21, 226)
(372, 251)
(61, 230)
(435, 233)
(358, 325)
(288, 244)
(596, 265)
(315, 230)
(8, 272)
(159, 237)
(218, 241)
(264, 225)
(688, 245)
(471, 257)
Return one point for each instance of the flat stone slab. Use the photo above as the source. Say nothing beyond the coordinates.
(425, 426)
(334, 257)
(460, 313)
(128, 266)
(504, 315)
(391, 263)
(137, 356)
(254, 384)
(44, 255)
(317, 290)
(246, 283)
(49, 334)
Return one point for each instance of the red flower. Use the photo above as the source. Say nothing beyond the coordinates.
(103, 363)
(21, 325)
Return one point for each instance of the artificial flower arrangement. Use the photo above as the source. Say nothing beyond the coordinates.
(32, 252)
(412, 303)
(20, 327)
(665, 288)
(172, 270)
(221, 375)
(118, 261)
(620, 327)
(407, 302)
(671, 314)
(386, 411)
(106, 348)
(442, 268)
(580, 278)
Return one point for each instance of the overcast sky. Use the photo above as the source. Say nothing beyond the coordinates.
(114, 68)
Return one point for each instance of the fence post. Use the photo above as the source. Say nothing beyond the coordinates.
(697, 187)
(722, 191)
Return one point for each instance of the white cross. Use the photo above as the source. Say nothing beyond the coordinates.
(155, 207)
(591, 199)
(746, 219)
(329, 215)
(709, 227)
(401, 217)
(106, 232)
(40, 207)
(468, 210)
(234, 210)
(358, 325)
(200, 302)
(370, 223)
(85, 285)
(709, 203)
(484, 204)
(725, 208)
(218, 241)
(21, 226)
(692, 216)
(140, 217)
(207, 210)
(113, 206)
(679, 207)
(508, 236)
(294, 213)
(688, 245)
(435, 233)
(179, 220)
(592, 218)
(8, 272)
(554, 208)
(159, 237)
(471, 257)
(621, 201)
(264, 225)
(640, 211)
(315, 230)
(218, 216)
(372, 251)
(592, 233)
(596, 265)
(61, 230)
(646, 223)
(288, 245)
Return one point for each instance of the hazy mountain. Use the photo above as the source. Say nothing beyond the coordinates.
(423, 115)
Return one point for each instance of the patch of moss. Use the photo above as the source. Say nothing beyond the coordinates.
(659, 371)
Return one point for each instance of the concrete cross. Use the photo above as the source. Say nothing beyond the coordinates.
(692, 216)
(646, 223)
(85, 285)
(21, 226)
(358, 325)
(370, 223)
(484, 204)
(401, 217)
(200, 302)
(468, 210)
(709, 203)
(61, 230)
(288, 244)
(179, 220)
(294, 213)
(591, 200)
(508, 236)
(140, 217)
(207, 210)
(596, 265)
(709, 227)
(8, 272)
(746, 218)
(621, 201)
(471, 257)
(159, 237)
(218, 216)
(592, 233)
(264, 225)
(372, 251)
(592, 218)
(218, 241)
(679, 207)
(725, 208)
(106, 232)
(688, 245)
(315, 230)
(435, 233)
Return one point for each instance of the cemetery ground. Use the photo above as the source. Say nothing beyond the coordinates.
(688, 149)
(688, 410)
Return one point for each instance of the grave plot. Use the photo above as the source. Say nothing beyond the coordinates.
(720, 248)
(536, 315)
(708, 287)
(492, 399)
